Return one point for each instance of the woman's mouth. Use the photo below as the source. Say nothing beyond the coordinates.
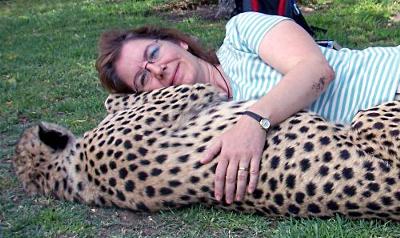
(175, 75)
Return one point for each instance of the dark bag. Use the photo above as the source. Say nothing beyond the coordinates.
(287, 8)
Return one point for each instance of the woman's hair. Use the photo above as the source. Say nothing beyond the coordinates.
(111, 42)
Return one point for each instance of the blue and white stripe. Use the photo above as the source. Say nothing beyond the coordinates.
(364, 78)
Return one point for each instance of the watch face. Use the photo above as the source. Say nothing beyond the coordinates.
(265, 123)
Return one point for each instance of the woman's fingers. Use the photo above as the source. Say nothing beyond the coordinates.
(219, 179)
(230, 180)
(254, 173)
(242, 174)
(211, 152)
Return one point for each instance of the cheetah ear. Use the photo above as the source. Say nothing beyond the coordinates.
(52, 138)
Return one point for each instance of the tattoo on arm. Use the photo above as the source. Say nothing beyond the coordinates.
(319, 86)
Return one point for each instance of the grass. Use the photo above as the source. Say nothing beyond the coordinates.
(47, 55)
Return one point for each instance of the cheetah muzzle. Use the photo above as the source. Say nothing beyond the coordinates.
(145, 156)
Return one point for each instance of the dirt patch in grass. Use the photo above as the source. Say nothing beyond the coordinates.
(176, 11)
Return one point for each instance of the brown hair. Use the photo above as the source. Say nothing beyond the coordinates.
(111, 42)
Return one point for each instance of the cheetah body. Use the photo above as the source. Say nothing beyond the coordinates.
(145, 156)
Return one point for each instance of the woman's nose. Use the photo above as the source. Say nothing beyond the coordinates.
(156, 69)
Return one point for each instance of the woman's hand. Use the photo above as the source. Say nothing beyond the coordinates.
(239, 150)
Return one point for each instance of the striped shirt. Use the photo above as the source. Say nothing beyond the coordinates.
(364, 78)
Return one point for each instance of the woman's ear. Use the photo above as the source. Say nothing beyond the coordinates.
(184, 45)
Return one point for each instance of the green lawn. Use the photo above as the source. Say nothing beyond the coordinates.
(47, 55)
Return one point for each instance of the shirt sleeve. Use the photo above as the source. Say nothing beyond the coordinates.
(245, 31)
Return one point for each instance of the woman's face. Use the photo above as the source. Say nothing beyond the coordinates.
(146, 64)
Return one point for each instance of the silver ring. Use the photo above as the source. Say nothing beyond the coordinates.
(243, 169)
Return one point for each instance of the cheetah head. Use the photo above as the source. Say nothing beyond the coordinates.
(40, 156)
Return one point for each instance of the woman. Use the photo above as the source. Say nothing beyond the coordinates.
(265, 57)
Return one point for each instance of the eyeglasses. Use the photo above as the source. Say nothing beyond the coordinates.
(151, 54)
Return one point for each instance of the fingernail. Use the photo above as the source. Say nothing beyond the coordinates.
(218, 197)
(238, 198)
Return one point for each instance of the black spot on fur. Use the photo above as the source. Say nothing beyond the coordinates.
(278, 199)
(276, 140)
(138, 137)
(127, 144)
(194, 179)
(299, 197)
(290, 136)
(378, 125)
(384, 166)
(123, 173)
(308, 147)
(305, 165)
(120, 195)
(161, 158)
(99, 155)
(325, 140)
(131, 157)
(332, 205)
(155, 172)
(348, 173)
(183, 158)
(174, 183)
(201, 149)
(118, 142)
(368, 166)
(344, 154)
(349, 190)
(129, 186)
(323, 170)
(257, 194)
(143, 175)
(275, 162)
(272, 184)
(374, 187)
(175, 170)
(310, 189)
(103, 168)
(165, 191)
(373, 206)
(390, 181)
(291, 181)
(142, 151)
(117, 154)
(328, 188)
(112, 165)
(313, 208)
(289, 152)
(293, 209)
(133, 167)
(351, 206)
(327, 157)
(112, 182)
(304, 129)
(150, 191)
(387, 201)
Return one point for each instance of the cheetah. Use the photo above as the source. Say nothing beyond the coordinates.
(145, 155)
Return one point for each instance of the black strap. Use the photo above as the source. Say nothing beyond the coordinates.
(253, 115)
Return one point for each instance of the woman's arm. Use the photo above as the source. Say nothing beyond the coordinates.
(292, 52)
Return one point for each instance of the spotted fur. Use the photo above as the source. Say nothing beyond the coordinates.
(145, 156)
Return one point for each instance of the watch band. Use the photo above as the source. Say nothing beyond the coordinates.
(264, 122)
(253, 115)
